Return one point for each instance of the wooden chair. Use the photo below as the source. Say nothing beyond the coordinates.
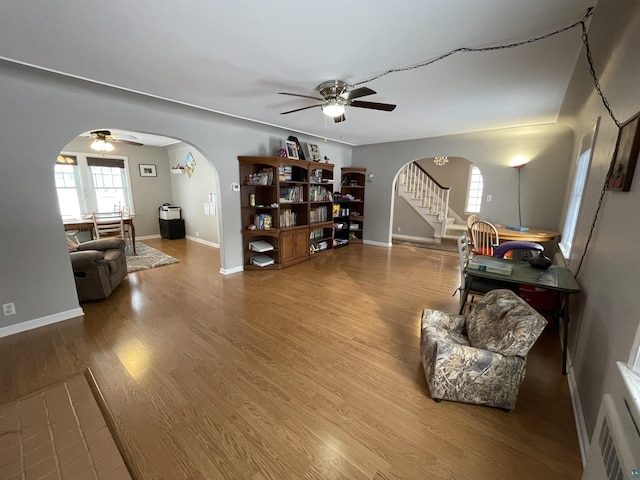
(470, 221)
(108, 225)
(485, 238)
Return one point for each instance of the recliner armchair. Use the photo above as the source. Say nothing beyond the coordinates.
(480, 358)
(98, 267)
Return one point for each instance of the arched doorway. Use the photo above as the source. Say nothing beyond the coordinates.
(417, 208)
(143, 182)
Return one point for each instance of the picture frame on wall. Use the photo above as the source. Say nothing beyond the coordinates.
(291, 148)
(625, 156)
(148, 170)
(314, 152)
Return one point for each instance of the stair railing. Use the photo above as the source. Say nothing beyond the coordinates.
(427, 190)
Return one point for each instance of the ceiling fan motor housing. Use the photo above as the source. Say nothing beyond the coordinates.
(332, 88)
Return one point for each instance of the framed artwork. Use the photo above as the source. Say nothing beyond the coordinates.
(292, 150)
(147, 170)
(298, 146)
(625, 156)
(189, 164)
(314, 152)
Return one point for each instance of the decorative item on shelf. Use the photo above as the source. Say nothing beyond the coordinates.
(539, 260)
(282, 152)
(177, 170)
(292, 151)
(314, 152)
(298, 147)
(326, 159)
(441, 161)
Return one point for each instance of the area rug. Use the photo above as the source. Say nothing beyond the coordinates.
(147, 257)
(62, 431)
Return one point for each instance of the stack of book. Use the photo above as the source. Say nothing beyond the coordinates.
(287, 218)
(263, 221)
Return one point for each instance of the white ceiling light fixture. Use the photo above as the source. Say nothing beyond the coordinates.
(101, 145)
(441, 161)
(334, 107)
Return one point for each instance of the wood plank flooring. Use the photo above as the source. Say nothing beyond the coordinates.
(312, 372)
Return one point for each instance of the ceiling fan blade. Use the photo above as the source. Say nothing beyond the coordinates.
(359, 92)
(339, 119)
(128, 142)
(298, 109)
(387, 107)
(298, 95)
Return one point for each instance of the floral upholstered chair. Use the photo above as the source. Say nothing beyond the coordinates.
(480, 358)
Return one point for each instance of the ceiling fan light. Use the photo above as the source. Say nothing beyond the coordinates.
(101, 145)
(333, 110)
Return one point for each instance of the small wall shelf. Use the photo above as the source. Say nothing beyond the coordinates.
(177, 171)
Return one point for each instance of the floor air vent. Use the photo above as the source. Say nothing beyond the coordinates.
(614, 453)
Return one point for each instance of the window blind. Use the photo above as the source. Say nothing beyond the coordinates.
(105, 162)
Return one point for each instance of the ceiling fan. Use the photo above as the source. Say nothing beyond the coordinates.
(336, 98)
(103, 140)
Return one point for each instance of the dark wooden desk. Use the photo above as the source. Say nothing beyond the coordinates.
(557, 278)
(86, 224)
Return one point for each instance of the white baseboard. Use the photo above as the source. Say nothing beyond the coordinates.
(412, 238)
(377, 244)
(40, 322)
(148, 237)
(230, 271)
(204, 242)
(578, 416)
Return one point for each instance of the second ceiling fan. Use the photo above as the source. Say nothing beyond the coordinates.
(336, 98)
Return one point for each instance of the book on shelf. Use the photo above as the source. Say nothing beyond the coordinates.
(292, 194)
(260, 246)
(262, 260)
(287, 218)
(263, 221)
(317, 215)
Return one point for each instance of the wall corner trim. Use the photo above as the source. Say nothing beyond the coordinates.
(229, 271)
(40, 322)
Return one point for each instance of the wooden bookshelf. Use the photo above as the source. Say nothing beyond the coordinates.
(286, 203)
(352, 185)
(320, 208)
(340, 222)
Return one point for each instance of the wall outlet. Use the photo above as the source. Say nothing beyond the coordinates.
(489, 198)
(399, 229)
(197, 234)
(235, 187)
(8, 309)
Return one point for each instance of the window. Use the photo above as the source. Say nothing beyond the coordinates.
(108, 181)
(474, 190)
(67, 186)
(579, 182)
(86, 184)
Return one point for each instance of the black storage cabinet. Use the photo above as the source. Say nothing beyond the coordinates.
(172, 229)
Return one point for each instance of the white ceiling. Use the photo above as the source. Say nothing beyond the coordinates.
(233, 56)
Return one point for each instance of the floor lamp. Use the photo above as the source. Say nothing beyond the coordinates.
(519, 168)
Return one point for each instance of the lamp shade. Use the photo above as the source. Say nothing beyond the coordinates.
(101, 145)
(333, 110)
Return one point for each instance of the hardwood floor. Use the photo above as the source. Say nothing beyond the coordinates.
(312, 372)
